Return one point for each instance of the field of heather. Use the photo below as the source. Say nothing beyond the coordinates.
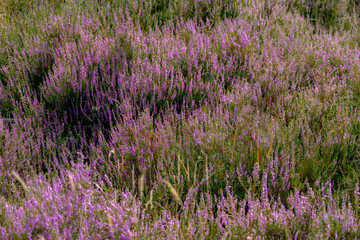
(179, 119)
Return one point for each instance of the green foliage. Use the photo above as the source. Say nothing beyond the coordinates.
(325, 13)
(161, 12)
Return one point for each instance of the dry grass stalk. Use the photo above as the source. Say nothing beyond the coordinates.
(24, 186)
(112, 152)
(27, 190)
(141, 185)
(207, 175)
(187, 173)
(150, 202)
(195, 178)
(71, 181)
(233, 147)
(133, 177)
(354, 14)
(111, 225)
(174, 192)
(40, 237)
(97, 185)
(178, 176)
(272, 140)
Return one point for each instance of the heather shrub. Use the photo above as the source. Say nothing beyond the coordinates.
(179, 119)
(24, 147)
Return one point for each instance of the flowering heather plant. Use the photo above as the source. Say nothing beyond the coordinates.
(179, 119)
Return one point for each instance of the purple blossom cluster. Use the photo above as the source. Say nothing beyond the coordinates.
(76, 205)
(236, 119)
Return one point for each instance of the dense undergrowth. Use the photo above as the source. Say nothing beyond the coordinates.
(159, 119)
